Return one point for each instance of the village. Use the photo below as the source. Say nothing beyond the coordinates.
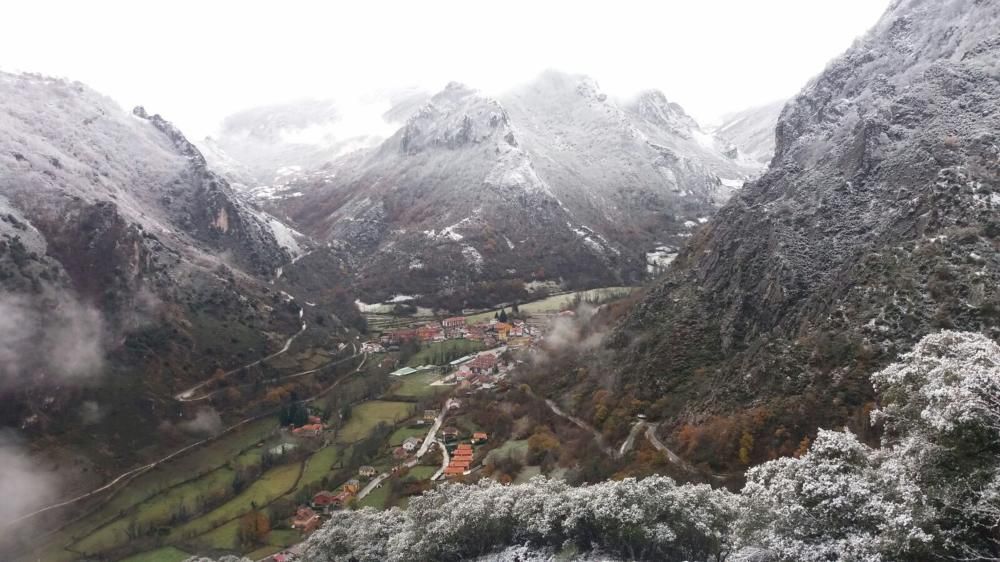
(415, 401)
(440, 438)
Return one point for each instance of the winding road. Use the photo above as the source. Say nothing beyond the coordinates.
(188, 395)
(424, 447)
(629, 442)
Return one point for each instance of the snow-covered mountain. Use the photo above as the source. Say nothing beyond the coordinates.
(116, 237)
(751, 131)
(553, 181)
(877, 222)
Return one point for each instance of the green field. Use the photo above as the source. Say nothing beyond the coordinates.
(556, 303)
(158, 510)
(512, 447)
(421, 472)
(165, 554)
(318, 466)
(417, 385)
(176, 472)
(376, 498)
(274, 483)
(400, 435)
(364, 418)
(441, 352)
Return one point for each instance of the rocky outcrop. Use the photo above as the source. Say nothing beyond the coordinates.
(876, 224)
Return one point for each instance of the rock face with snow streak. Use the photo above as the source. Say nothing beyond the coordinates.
(554, 181)
(116, 216)
(877, 222)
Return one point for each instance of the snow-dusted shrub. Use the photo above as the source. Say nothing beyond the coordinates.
(930, 492)
(653, 518)
(840, 501)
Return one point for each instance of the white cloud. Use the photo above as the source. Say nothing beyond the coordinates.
(198, 61)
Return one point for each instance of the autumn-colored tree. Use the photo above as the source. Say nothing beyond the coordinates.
(540, 444)
(254, 528)
(746, 447)
(803, 447)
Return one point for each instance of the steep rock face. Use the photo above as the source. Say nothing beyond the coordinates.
(554, 182)
(876, 224)
(116, 237)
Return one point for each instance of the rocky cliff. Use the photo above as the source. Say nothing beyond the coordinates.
(877, 223)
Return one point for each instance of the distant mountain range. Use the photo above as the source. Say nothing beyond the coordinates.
(477, 197)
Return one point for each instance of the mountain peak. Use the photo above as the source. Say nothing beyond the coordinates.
(652, 105)
(456, 116)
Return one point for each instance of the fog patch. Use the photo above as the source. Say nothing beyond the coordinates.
(206, 421)
(570, 332)
(54, 340)
(23, 487)
(91, 412)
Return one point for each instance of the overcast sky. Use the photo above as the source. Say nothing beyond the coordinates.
(195, 62)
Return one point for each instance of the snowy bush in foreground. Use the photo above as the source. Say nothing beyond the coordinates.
(930, 492)
(649, 518)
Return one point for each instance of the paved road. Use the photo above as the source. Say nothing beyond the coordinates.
(188, 395)
(424, 447)
(584, 425)
(630, 440)
(445, 460)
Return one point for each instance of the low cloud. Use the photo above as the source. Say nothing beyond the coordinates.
(206, 421)
(49, 340)
(23, 487)
(91, 412)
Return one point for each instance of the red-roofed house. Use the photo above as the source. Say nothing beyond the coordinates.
(323, 500)
(479, 437)
(309, 430)
(429, 333)
(306, 520)
(483, 363)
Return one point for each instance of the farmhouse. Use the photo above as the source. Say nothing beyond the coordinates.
(352, 486)
(485, 362)
(323, 500)
(449, 433)
(367, 471)
(479, 437)
(430, 415)
(454, 322)
(306, 520)
(308, 430)
(411, 444)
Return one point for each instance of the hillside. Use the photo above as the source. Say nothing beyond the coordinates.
(877, 223)
(130, 271)
(476, 197)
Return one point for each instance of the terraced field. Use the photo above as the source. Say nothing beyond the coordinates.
(366, 416)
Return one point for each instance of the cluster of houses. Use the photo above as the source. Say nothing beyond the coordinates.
(461, 458)
(308, 517)
(481, 370)
(516, 333)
